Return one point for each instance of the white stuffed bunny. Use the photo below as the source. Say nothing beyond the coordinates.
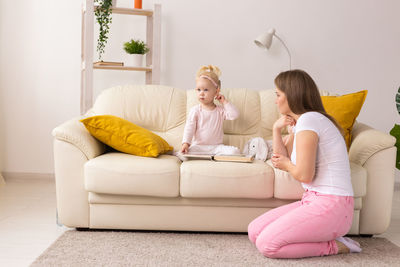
(257, 146)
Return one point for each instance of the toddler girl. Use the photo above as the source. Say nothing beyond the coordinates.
(203, 132)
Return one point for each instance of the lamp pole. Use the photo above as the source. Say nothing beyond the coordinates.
(290, 56)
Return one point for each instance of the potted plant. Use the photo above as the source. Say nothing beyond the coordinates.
(396, 130)
(103, 12)
(137, 48)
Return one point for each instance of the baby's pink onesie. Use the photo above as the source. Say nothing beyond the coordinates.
(204, 129)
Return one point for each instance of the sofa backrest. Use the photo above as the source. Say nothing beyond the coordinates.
(258, 113)
(163, 109)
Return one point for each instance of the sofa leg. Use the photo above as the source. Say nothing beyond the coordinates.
(366, 235)
(82, 229)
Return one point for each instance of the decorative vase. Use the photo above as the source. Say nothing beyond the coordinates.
(138, 4)
(137, 60)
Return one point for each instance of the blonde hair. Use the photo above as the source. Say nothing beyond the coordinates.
(212, 72)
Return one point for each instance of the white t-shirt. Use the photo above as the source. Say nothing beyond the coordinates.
(332, 167)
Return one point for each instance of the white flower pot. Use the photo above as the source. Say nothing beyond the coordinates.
(137, 60)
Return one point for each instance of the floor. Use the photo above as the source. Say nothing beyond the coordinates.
(28, 225)
(27, 220)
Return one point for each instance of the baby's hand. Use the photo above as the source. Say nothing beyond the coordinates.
(290, 129)
(185, 148)
(220, 98)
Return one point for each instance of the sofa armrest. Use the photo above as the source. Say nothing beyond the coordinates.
(367, 141)
(75, 133)
(73, 147)
(375, 151)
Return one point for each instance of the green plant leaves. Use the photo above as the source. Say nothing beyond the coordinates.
(396, 133)
(136, 47)
(398, 100)
(103, 17)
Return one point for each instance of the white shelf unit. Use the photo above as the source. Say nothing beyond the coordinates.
(153, 41)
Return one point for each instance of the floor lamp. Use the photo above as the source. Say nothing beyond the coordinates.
(264, 40)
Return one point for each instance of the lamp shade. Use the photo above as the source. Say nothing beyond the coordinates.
(264, 40)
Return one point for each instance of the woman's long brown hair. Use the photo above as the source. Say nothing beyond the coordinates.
(302, 93)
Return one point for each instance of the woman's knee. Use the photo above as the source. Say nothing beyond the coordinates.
(252, 233)
(267, 248)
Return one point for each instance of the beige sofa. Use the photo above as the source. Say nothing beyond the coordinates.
(101, 189)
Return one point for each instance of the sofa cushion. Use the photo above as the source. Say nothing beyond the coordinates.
(209, 179)
(119, 173)
(286, 187)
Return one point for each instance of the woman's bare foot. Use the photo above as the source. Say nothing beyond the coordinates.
(342, 248)
(346, 245)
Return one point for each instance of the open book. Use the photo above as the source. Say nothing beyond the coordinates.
(220, 157)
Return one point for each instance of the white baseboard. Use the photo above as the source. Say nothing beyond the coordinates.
(27, 175)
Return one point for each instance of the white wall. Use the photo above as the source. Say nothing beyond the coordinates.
(346, 46)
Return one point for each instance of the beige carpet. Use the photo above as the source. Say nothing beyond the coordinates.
(142, 248)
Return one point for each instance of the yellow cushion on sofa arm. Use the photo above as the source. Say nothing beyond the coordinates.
(125, 136)
(345, 109)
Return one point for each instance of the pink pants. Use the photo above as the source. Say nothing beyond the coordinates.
(304, 228)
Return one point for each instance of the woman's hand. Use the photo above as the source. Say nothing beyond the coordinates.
(281, 162)
(283, 122)
(221, 98)
(185, 148)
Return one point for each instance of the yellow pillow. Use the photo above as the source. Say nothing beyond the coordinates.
(345, 110)
(125, 136)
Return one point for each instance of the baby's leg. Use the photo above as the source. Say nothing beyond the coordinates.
(202, 149)
(226, 150)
